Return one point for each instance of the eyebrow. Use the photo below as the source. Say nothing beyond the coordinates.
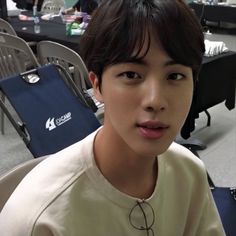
(171, 62)
(140, 61)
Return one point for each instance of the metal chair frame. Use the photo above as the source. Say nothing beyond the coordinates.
(15, 57)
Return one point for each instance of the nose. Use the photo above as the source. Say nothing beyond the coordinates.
(154, 96)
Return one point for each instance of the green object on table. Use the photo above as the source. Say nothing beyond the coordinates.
(70, 3)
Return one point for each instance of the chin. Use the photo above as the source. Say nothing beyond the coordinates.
(152, 151)
(161, 146)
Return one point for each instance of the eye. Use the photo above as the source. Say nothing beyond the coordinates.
(176, 76)
(130, 75)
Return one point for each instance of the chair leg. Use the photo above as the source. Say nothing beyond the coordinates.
(208, 118)
(191, 143)
(2, 122)
(210, 181)
(2, 116)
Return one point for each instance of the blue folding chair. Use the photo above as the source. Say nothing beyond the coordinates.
(53, 112)
(225, 199)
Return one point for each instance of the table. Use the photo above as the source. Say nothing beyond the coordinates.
(218, 12)
(54, 30)
(216, 84)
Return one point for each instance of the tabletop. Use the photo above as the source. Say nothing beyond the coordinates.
(54, 30)
(216, 12)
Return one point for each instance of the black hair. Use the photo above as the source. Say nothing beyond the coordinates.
(119, 28)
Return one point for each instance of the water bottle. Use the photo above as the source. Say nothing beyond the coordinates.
(35, 11)
(36, 25)
(68, 28)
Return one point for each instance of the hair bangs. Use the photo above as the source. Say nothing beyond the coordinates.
(136, 41)
(177, 28)
(122, 30)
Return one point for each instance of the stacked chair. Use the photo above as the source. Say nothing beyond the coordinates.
(46, 104)
(46, 108)
(53, 113)
(52, 52)
(5, 27)
(15, 57)
(52, 6)
(51, 110)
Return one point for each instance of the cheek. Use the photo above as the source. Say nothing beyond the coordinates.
(184, 104)
(118, 97)
(189, 96)
(118, 103)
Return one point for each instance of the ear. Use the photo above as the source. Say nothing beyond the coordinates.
(95, 84)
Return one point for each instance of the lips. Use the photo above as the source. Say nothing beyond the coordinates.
(152, 129)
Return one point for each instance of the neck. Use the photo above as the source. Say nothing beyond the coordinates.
(125, 170)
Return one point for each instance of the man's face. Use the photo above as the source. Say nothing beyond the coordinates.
(146, 102)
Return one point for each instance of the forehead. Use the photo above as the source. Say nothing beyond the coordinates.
(151, 47)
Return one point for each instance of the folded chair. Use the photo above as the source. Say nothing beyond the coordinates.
(225, 200)
(53, 113)
(52, 52)
(15, 57)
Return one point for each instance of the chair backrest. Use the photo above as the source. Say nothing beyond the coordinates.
(225, 199)
(15, 56)
(231, 2)
(53, 112)
(5, 27)
(10, 180)
(52, 52)
(52, 6)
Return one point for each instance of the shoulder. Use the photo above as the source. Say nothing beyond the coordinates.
(181, 154)
(184, 183)
(181, 170)
(183, 162)
(44, 184)
(67, 163)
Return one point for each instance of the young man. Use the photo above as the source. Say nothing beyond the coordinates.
(128, 177)
(87, 6)
(28, 4)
